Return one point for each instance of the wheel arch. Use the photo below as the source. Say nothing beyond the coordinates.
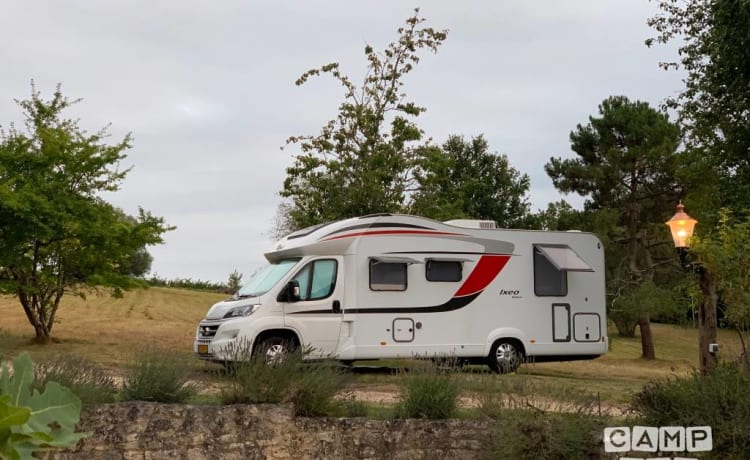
(506, 334)
(287, 334)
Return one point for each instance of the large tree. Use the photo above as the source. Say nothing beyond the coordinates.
(714, 106)
(463, 179)
(361, 161)
(57, 234)
(626, 160)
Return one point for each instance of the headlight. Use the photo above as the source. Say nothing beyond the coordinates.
(245, 310)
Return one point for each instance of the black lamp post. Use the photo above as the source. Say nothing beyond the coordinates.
(682, 225)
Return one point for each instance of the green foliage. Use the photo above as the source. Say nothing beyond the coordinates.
(33, 420)
(56, 232)
(630, 304)
(463, 179)
(139, 263)
(725, 255)
(428, 391)
(714, 51)
(85, 378)
(360, 162)
(159, 376)
(186, 283)
(719, 400)
(309, 386)
(234, 283)
(560, 215)
(537, 435)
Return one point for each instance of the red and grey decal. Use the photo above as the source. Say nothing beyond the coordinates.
(395, 229)
(485, 271)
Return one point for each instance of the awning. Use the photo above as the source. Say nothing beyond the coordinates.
(396, 260)
(564, 258)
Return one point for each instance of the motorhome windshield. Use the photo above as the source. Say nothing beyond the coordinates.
(266, 278)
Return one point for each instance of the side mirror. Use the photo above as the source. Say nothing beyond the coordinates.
(290, 292)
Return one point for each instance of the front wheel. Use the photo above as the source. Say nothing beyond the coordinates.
(274, 350)
(505, 356)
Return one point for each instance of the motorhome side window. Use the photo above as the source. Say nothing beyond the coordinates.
(443, 270)
(317, 279)
(548, 280)
(387, 276)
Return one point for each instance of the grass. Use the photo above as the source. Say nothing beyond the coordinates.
(107, 330)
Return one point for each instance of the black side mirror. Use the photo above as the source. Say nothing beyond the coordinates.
(290, 292)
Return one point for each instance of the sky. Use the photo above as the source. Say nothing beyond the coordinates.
(207, 90)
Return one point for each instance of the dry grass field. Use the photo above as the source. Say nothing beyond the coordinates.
(109, 331)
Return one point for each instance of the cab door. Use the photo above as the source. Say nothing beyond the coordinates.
(316, 316)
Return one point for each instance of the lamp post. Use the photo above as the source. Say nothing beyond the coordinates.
(682, 225)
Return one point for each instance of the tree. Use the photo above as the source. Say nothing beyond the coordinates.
(714, 106)
(360, 162)
(234, 283)
(626, 160)
(463, 179)
(724, 255)
(56, 233)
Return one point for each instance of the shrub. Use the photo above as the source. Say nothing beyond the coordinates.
(539, 435)
(428, 391)
(720, 400)
(159, 376)
(86, 379)
(309, 386)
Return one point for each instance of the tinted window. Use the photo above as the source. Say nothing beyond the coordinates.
(548, 280)
(443, 270)
(317, 279)
(387, 276)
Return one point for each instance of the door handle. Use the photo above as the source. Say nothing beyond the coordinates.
(336, 306)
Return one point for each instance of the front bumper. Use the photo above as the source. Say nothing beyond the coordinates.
(216, 340)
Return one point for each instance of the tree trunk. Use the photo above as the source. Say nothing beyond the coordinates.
(648, 351)
(707, 322)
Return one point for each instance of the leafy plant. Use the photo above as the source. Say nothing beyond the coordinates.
(32, 420)
(159, 376)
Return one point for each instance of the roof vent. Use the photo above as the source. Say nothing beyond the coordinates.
(470, 223)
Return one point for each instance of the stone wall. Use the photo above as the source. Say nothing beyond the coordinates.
(162, 431)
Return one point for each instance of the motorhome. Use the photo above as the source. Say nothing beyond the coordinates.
(399, 286)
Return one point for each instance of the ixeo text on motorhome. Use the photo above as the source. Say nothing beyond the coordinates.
(398, 286)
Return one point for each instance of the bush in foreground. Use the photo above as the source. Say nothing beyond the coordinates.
(309, 385)
(538, 435)
(86, 379)
(158, 376)
(428, 391)
(720, 400)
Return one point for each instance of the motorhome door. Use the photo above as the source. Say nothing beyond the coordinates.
(316, 316)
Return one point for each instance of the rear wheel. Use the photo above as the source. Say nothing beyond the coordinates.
(505, 356)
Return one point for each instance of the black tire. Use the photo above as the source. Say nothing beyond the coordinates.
(505, 356)
(274, 349)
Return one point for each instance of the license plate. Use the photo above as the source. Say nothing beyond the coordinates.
(203, 349)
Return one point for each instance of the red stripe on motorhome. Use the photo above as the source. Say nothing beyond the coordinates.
(487, 268)
(392, 233)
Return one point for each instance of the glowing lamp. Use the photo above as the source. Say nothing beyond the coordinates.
(681, 225)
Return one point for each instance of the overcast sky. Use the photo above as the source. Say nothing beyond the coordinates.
(207, 89)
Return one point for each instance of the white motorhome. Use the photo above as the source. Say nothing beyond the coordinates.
(398, 286)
